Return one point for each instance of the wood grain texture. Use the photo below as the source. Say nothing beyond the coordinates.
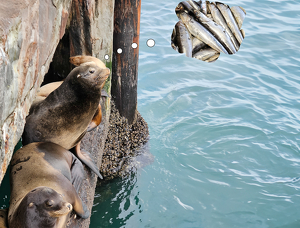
(125, 65)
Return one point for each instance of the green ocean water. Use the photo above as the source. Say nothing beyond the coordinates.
(225, 135)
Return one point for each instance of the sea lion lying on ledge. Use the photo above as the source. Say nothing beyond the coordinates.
(45, 179)
(64, 113)
(3, 218)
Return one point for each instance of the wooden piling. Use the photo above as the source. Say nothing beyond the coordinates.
(125, 64)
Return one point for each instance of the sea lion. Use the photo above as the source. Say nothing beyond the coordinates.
(3, 218)
(44, 177)
(68, 112)
(85, 59)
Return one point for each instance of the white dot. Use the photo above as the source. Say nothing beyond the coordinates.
(134, 45)
(106, 57)
(119, 50)
(150, 43)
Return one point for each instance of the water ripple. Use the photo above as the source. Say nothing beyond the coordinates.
(186, 207)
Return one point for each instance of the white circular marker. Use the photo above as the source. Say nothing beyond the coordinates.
(134, 45)
(106, 57)
(119, 50)
(150, 43)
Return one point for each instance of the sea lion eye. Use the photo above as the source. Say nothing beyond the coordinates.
(50, 203)
(78, 75)
(92, 71)
(30, 205)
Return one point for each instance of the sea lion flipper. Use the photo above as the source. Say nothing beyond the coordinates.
(85, 157)
(96, 119)
(77, 173)
(104, 93)
(80, 208)
(78, 205)
(45, 90)
(3, 218)
(86, 211)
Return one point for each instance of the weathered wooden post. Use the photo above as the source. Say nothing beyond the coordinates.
(128, 130)
(125, 64)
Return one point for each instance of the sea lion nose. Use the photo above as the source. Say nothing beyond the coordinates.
(106, 71)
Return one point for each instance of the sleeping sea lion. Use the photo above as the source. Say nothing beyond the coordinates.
(44, 178)
(64, 115)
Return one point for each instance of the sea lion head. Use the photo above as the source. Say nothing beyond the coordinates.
(43, 207)
(90, 74)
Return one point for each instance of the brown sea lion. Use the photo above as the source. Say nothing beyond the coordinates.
(44, 178)
(68, 112)
(3, 218)
(85, 59)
